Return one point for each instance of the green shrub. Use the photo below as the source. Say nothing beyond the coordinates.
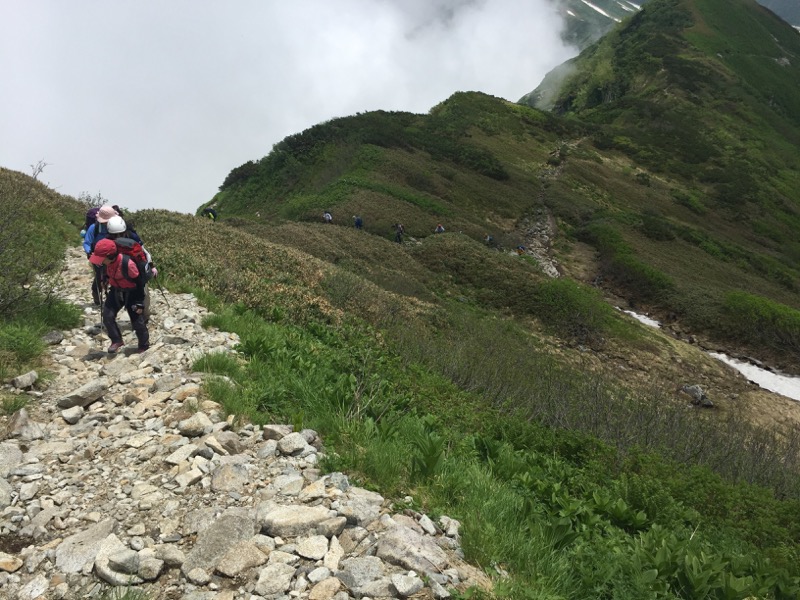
(619, 264)
(759, 320)
(11, 404)
(656, 227)
(571, 309)
(690, 201)
(23, 341)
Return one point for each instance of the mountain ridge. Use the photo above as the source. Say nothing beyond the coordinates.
(587, 22)
(634, 170)
(585, 454)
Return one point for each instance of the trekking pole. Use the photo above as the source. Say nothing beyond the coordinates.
(161, 289)
(100, 294)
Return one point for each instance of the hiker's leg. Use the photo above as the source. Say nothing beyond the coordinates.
(134, 304)
(110, 310)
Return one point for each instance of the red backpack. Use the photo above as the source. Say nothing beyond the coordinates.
(132, 250)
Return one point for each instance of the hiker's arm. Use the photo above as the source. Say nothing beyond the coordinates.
(87, 241)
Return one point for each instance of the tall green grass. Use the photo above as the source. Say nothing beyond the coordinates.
(566, 515)
(21, 336)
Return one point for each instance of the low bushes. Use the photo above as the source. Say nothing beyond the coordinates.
(618, 263)
(758, 320)
(34, 231)
(572, 310)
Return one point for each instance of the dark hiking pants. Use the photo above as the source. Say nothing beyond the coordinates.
(133, 301)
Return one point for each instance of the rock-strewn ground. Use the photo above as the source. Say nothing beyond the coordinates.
(120, 473)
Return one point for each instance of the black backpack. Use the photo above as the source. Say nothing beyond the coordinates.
(91, 218)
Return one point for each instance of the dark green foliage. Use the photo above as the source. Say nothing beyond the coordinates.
(656, 227)
(572, 310)
(690, 201)
(33, 234)
(759, 320)
(240, 174)
(624, 269)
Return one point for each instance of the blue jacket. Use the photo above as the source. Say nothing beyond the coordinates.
(93, 236)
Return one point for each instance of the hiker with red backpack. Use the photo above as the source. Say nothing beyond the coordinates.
(126, 278)
(128, 242)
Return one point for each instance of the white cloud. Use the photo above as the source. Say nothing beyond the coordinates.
(152, 103)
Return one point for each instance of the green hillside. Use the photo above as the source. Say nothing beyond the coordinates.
(674, 156)
(452, 369)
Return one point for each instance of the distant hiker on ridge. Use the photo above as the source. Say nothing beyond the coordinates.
(439, 229)
(358, 223)
(399, 230)
(210, 213)
(327, 217)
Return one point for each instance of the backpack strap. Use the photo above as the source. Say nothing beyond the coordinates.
(125, 262)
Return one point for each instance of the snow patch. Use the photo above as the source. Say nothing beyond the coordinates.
(643, 319)
(600, 10)
(786, 385)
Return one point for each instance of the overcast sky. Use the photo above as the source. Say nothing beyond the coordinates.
(151, 103)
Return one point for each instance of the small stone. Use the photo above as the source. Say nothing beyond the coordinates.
(72, 415)
(406, 585)
(198, 576)
(150, 569)
(25, 381)
(9, 563)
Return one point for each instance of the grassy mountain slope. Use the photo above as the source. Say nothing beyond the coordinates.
(585, 25)
(673, 159)
(704, 96)
(452, 388)
(37, 223)
(458, 372)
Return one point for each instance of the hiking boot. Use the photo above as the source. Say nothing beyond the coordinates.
(114, 348)
(141, 349)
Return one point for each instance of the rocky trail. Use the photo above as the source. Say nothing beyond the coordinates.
(119, 472)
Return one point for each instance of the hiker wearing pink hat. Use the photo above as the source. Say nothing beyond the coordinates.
(94, 233)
